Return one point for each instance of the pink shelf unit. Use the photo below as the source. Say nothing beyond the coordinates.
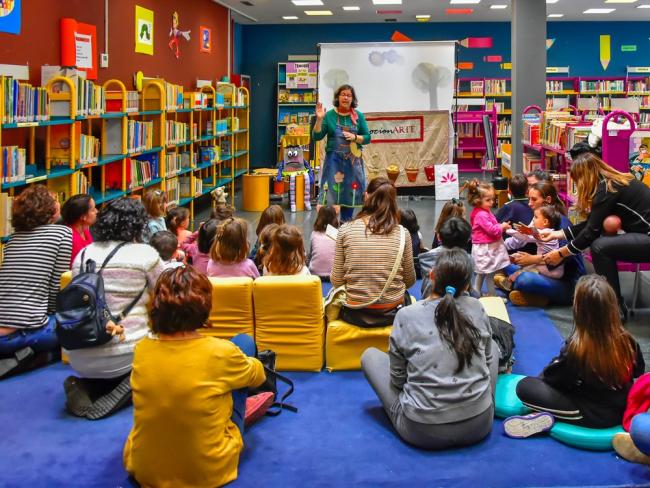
(471, 145)
(616, 143)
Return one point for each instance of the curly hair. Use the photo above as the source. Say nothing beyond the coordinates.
(287, 253)
(34, 207)
(124, 219)
(182, 300)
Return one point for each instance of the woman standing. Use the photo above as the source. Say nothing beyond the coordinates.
(343, 179)
(603, 191)
(79, 213)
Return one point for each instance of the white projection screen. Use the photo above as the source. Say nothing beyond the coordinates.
(390, 76)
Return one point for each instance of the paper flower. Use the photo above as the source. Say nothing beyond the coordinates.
(448, 178)
(355, 186)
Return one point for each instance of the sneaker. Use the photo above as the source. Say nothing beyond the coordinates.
(523, 299)
(502, 282)
(522, 426)
(16, 364)
(256, 406)
(624, 447)
(77, 399)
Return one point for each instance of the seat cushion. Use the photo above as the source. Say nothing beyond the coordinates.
(232, 308)
(345, 343)
(506, 401)
(584, 437)
(289, 320)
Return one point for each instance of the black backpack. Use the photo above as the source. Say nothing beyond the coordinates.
(503, 334)
(81, 312)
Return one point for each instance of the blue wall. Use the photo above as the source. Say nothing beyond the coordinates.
(576, 45)
(238, 39)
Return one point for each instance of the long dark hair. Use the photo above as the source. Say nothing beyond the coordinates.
(454, 270)
(75, 207)
(547, 189)
(338, 92)
(380, 208)
(326, 216)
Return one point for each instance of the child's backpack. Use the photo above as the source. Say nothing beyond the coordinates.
(81, 313)
(503, 334)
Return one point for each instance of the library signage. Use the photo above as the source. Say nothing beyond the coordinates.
(396, 129)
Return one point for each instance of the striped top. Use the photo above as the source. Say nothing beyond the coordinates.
(30, 275)
(363, 262)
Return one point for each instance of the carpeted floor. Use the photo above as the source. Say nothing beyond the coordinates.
(339, 437)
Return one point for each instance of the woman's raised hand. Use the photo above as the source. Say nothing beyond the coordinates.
(320, 111)
(549, 234)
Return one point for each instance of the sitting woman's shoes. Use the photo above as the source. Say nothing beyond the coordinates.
(501, 281)
(522, 426)
(624, 447)
(77, 399)
(523, 299)
(17, 363)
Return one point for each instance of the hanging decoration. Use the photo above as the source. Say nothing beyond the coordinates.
(10, 16)
(175, 34)
(477, 42)
(143, 30)
(605, 50)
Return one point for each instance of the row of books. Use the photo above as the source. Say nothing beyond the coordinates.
(173, 190)
(88, 149)
(189, 190)
(530, 130)
(496, 86)
(603, 86)
(140, 171)
(286, 96)
(81, 181)
(553, 125)
(468, 129)
(177, 132)
(504, 127)
(209, 154)
(301, 118)
(139, 136)
(575, 134)
(490, 104)
(557, 86)
(14, 159)
(639, 85)
(23, 102)
(5, 215)
(175, 162)
(114, 101)
(173, 96)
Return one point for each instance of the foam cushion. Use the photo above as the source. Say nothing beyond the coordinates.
(345, 343)
(507, 403)
(232, 308)
(584, 437)
(289, 320)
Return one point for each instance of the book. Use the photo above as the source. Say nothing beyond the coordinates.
(331, 232)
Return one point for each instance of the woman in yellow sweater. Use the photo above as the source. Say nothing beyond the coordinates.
(189, 391)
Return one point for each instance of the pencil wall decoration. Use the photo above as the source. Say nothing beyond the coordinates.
(605, 50)
(477, 42)
(549, 43)
(493, 59)
(465, 65)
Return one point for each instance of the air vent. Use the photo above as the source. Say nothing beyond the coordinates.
(247, 3)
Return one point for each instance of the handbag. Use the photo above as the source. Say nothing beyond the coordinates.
(267, 358)
(359, 315)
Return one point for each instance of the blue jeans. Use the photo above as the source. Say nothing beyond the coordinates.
(41, 339)
(247, 346)
(640, 432)
(557, 291)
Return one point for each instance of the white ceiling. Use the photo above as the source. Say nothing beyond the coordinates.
(271, 11)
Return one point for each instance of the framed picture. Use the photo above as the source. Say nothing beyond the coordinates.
(205, 39)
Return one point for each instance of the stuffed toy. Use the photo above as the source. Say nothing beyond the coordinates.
(294, 164)
(219, 196)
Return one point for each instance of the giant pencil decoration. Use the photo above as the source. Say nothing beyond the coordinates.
(605, 50)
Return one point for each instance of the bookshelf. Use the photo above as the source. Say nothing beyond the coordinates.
(297, 95)
(471, 142)
(126, 143)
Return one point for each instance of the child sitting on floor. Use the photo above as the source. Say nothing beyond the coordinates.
(453, 208)
(287, 253)
(273, 214)
(166, 244)
(517, 209)
(197, 246)
(155, 203)
(321, 252)
(229, 251)
(588, 383)
(178, 220)
(409, 221)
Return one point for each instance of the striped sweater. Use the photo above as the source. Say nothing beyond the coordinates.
(363, 262)
(30, 275)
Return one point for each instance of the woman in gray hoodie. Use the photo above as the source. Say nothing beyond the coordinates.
(437, 382)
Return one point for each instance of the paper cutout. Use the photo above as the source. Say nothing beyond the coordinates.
(629, 48)
(175, 34)
(10, 16)
(399, 37)
(605, 50)
(206, 39)
(79, 46)
(549, 43)
(459, 11)
(493, 59)
(465, 65)
(507, 66)
(143, 30)
(477, 42)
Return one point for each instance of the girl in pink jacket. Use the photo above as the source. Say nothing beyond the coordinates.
(488, 250)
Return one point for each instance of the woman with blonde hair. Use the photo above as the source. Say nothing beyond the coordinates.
(603, 192)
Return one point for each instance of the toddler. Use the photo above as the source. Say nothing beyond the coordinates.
(229, 251)
(287, 253)
(155, 203)
(321, 251)
(166, 244)
(488, 250)
(178, 220)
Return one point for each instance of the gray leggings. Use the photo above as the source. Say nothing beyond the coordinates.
(376, 368)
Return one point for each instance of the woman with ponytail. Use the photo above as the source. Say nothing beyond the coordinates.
(437, 381)
(367, 259)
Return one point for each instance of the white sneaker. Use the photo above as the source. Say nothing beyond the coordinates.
(522, 426)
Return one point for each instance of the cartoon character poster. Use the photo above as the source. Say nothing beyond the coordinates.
(206, 39)
(175, 34)
(143, 30)
(10, 16)
(640, 155)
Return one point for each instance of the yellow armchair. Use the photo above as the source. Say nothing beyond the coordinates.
(232, 308)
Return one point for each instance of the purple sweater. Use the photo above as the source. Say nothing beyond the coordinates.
(321, 254)
(243, 268)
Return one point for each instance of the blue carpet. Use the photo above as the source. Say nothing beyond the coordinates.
(340, 437)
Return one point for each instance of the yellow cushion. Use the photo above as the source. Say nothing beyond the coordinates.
(495, 307)
(345, 344)
(232, 308)
(289, 320)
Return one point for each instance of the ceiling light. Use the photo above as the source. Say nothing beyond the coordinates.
(352, 7)
(555, 16)
(498, 7)
(290, 17)
(599, 11)
(387, 2)
(461, 2)
(306, 3)
(621, 1)
(422, 16)
(318, 12)
(552, 1)
(459, 11)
